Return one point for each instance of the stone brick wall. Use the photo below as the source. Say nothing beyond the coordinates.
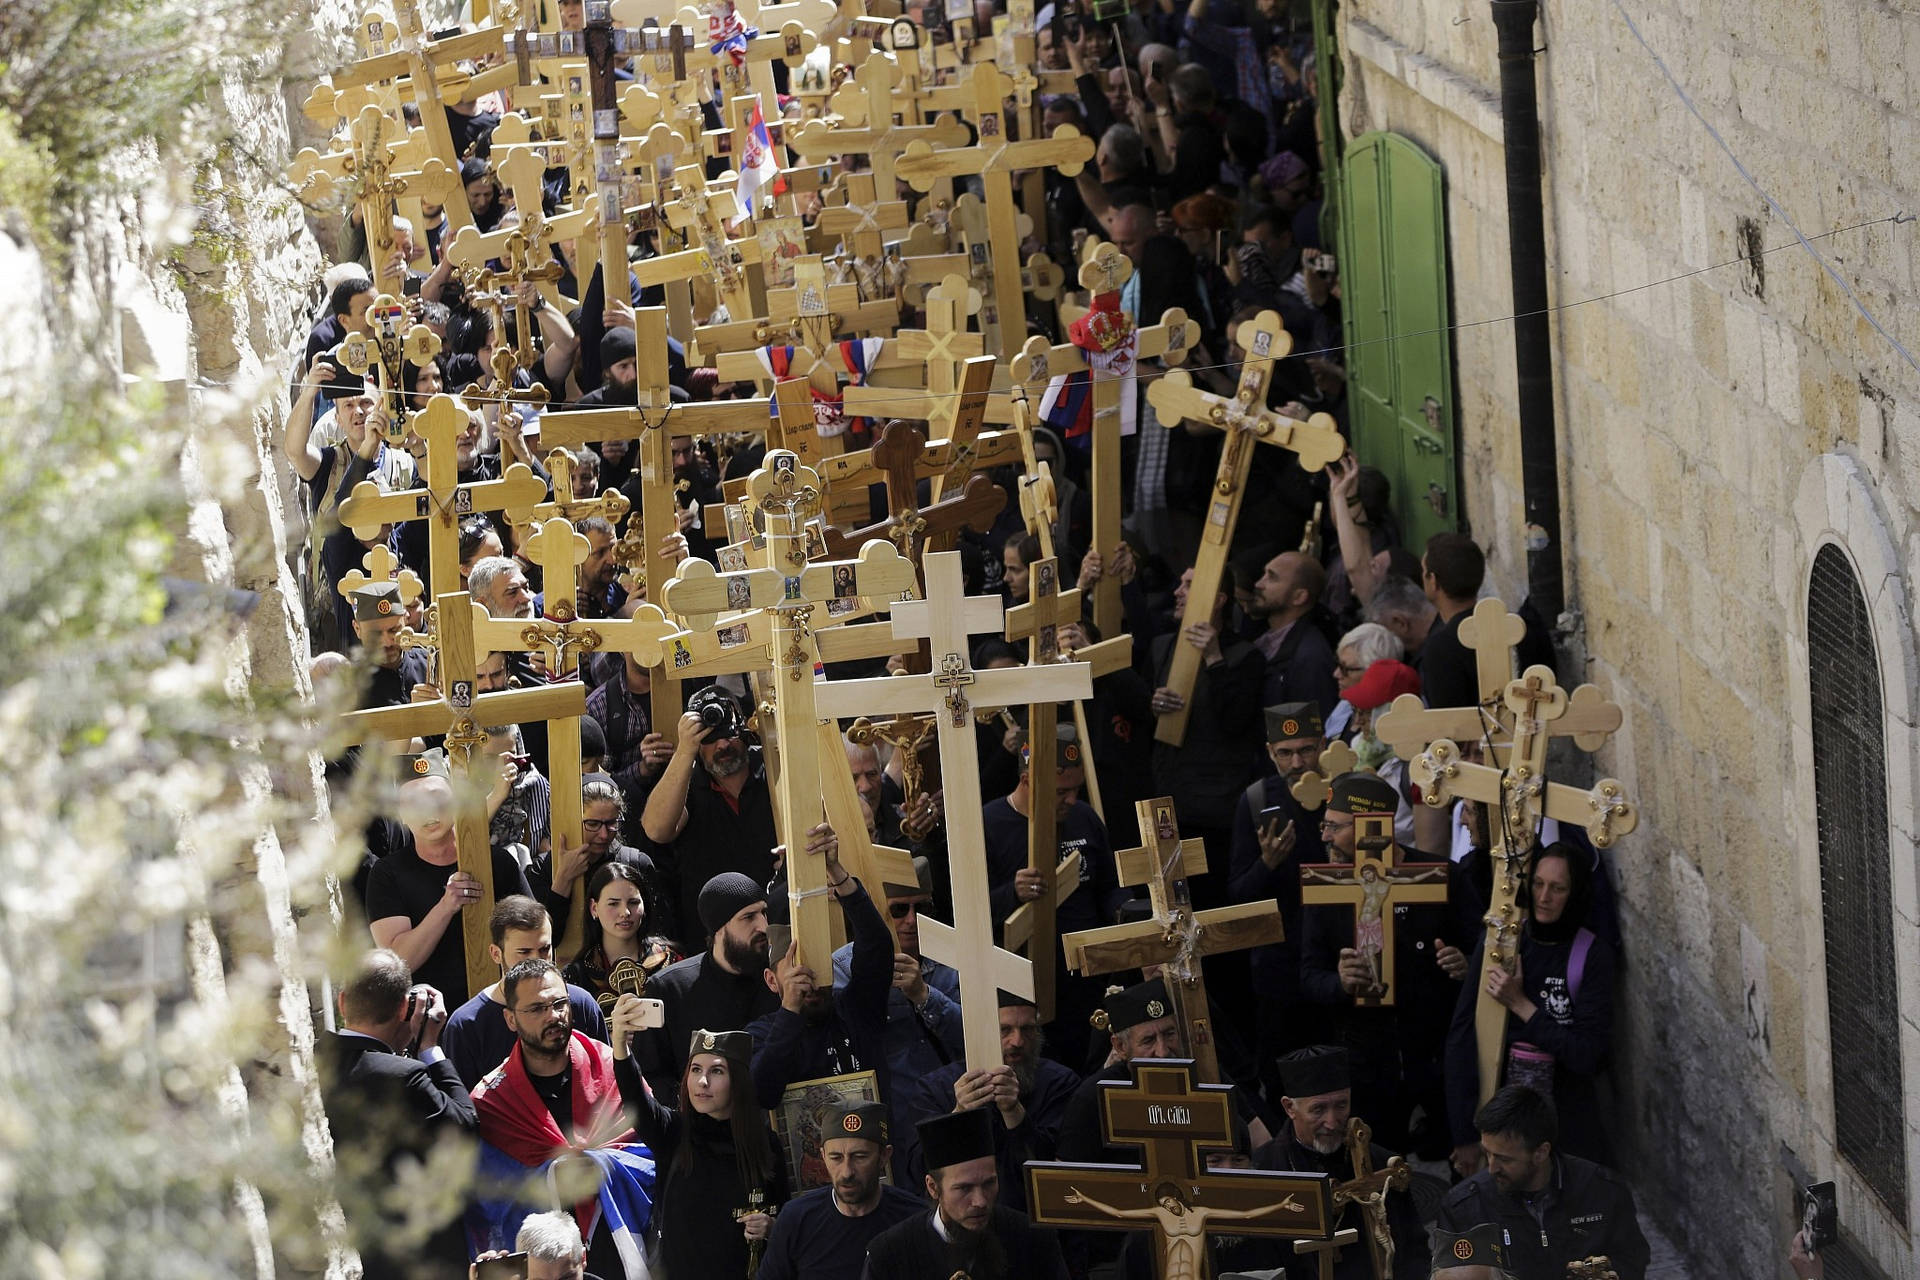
(1714, 430)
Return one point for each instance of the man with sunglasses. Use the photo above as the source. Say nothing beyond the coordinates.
(923, 1008)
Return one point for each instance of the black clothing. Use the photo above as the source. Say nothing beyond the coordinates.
(813, 1240)
(1448, 676)
(477, 1038)
(1011, 1248)
(1303, 669)
(1410, 1255)
(699, 995)
(540, 876)
(1199, 148)
(788, 1046)
(720, 835)
(393, 686)
(1036, 1138)
(404, 884)
(1283, 1020)
(697, 1183)
(1206, 774)
(383, 1106)
(1583, 1211)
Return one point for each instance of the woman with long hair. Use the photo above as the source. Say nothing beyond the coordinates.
(714, 1152)
(616, 930)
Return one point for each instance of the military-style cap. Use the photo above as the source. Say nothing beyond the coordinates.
(734, 1046)
(1360, 792)
(1066, 749)
(1314, 1070)
(1142, 1002)
(377, 600)
(855, 1120)
(1294, 720)
(1483, 1246)
(956, 1137)
(922, 888)
(427, 764)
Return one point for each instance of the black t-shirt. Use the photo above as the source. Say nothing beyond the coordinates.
(557, 1093)
(1448, 675)
(404, 884)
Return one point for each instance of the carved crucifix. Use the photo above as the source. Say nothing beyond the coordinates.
(1368, 1189)
(1245, 420)
(1176, 937)
(1172, 1192)
(1373, 884)
(908, 525)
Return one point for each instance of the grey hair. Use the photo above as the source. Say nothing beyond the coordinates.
(1372, 643)
(1124, 143)
(1396, 597)
(550, 1237)
(486, 571)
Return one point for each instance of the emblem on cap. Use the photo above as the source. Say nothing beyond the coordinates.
(421, 766)
(1463, 1249)
(1072, 752)
(706, 1041)
(1290, 727)
(1155, 1009)
(851, 1123)
(383, 606)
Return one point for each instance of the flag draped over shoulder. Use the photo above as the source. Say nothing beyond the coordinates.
(521, 1145)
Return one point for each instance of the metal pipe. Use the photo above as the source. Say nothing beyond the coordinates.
(1532, 337)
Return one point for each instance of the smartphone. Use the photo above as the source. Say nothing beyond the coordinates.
(653, 1013)
(779, 938)
(1820, 1217)
(511, 1267)
(1271, 814)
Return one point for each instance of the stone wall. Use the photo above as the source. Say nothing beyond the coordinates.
(1715, 430)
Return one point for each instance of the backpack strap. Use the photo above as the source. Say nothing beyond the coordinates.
(1577, 962)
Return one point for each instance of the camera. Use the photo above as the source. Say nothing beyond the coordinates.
(719, 714)
(420, 998)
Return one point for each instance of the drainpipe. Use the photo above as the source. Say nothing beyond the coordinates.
(1532, 339)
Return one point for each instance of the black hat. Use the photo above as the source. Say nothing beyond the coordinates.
(1360, 793)
(1483, 1246)
(855, 1120)
(725, 896)
(1134, 910)
(923, 888)
(955, 1138)
(1314, 1070)
(593, 739)
(428, 764)
(377, 600)
(1294, 720)
(616, 344)
(1142, 1002)
(734, 1046)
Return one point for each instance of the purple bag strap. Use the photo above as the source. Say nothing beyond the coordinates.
(1577, 962)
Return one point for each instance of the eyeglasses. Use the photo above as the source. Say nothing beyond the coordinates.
(900, 910)
(598, 824)
(546, 1009)
(1334, 826)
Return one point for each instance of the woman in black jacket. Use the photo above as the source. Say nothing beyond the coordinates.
(712, 1155)
(1559, 1000)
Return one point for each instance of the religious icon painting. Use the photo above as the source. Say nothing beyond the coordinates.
(816, 535)
(723, 142)
(682, 656)
(790, 589)
(842, 608)
(801, 1121)
(990, 125)
(1049, 643)
(1262, 344)
(732, 637)
(843, 583)
(732, 559)
(792, 44)
(420, 507)
(739, 593)
(1164, 827)
(784, 462)
(645, 219)
(1047, 584)
(463, 501)
(904, 34)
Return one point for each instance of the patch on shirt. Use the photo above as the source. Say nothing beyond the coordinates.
(1556, 1000)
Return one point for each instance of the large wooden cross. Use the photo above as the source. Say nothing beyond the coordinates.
(1172, 1192)
(1245, 419)
(1373, 884)
(461, 716)
(378, 178)
(1176, 937)
(1516, 727)
(444, 499)
(788, 495)
(952, 690)
(868, 98)
(909, 525)
(611, 505)
(1368, 1189)
(1105, 271)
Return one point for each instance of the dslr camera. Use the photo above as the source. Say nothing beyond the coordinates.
(719, 714)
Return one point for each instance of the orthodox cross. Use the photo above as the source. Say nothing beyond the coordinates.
(379, 565)
(909, 736)
(1374, 883)
(909, 525)
(1176, 937)
(1368, 1189)
(611, 505)
(1245, 419)
(946, 617)
(381, 353)
(1174, 1122)
(460, 715)
(445, 499)
(522, 248)
(942, 349)
(1315, 787)
(1111, 363)
(1515, 729)
(378, 179)
(868, 99)
(787, 496)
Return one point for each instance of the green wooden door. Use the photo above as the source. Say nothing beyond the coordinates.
(1393, 274)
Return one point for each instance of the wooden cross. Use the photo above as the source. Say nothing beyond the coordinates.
(1176, 937)
(611, 505)
(1368, 1189)
(863, 217)
(943, 350)
(377, 180)
(522, 247)
(1530, 710)
(971, 216)
(445, 499)
(1106, 271)
(952, 690)
(1327, 1252)
(787, 495)
(909, 525)
(381, 566)
(1245, 419)
(460, 715)
(1175, 1122)
(1315, 787)
(381, 353)
(995, 159)
(1374, 883)
(702, 213)
(868, 98)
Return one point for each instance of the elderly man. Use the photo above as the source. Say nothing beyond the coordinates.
(551, 1242)
(500, 586)
(824, 1233)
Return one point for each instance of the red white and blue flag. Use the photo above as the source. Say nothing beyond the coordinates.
(758, 168)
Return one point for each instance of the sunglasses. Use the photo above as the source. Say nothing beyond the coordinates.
(900, 910)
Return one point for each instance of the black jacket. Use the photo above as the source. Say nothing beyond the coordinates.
(1584, 1212)
(699, 996)
(1011, 1248)
(1206, 774)
(787, 1047)
(1410, 1255)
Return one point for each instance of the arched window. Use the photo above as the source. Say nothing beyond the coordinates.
(1856, 879)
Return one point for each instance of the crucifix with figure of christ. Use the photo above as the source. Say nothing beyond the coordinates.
(1245, 420)
(908, 525)
(444, 499)
(1114, 346)
(611, 505)
(1373, 884)
(1176, 937)
(378, 178)
(1513, 722)
(1175, 1122)
(460, 715)
(1368, 1189)
(791, 588)
(952, 690)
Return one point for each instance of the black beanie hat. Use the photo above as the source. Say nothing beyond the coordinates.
(725, 896)
(616, 344)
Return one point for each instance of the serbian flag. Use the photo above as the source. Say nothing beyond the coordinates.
(758, 168)
(1067, 407)
(520, 1146)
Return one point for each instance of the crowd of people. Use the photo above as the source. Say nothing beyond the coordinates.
(619, 1135)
